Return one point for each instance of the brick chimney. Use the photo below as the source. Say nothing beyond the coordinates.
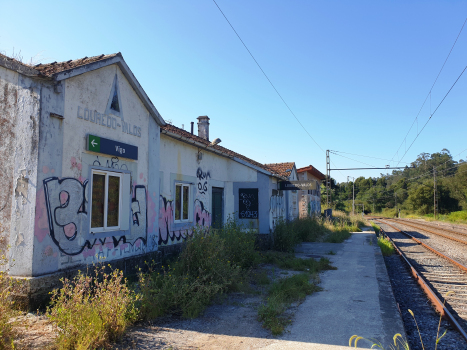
(203, 127)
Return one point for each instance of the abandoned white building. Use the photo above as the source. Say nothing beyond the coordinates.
(310, 200)
(203, 183)
(91, 171)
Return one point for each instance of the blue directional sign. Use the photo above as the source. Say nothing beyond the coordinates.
(111, 147)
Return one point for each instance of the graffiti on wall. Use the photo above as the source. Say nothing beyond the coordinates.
(202, 216)
(277, 206)
(248, 203)
(67, 215)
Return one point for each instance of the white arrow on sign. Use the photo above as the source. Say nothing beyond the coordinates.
(93, 143)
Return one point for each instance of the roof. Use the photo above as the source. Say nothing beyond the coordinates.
(281, 168)
(170, 129)
(58, 71)
(313, 171)
(49, 69)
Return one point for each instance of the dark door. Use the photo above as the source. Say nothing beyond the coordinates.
(217, 207)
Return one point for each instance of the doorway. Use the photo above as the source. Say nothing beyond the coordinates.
(217, 207)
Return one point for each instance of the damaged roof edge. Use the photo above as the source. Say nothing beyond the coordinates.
(119, 60)
(18, 66)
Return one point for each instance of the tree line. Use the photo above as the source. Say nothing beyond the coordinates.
(410, 189)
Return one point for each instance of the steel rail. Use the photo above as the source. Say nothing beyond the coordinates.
(440, 307)
(432, 226)
(458, 264)
(403, 222)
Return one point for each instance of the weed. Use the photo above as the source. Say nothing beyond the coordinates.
(338, 236)
(210, 264)
(281, 294)
(385, 245)
(89, 312)
(399, 341)
(284, 237)
(331, 253)
(8, 331)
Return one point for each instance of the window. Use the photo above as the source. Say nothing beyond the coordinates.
(182, 202)
(106, 200)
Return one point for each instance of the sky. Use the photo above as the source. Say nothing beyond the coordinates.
(354, 73)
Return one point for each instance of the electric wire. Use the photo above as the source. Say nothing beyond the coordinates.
(428, 95)
(269, 80)
(360, 155)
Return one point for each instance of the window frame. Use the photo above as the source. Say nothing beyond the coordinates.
(182, 185)
(107, 173)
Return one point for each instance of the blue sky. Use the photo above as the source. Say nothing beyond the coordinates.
(355, 73)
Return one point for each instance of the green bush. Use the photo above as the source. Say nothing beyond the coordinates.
(239, 244)
(285, 238)
(205, 268)
(89, 312)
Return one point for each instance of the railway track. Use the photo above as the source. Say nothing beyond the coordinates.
(436, 273)
(453, 235)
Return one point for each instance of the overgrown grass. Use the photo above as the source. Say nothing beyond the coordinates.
(376, 228)
(281, 294)
(210, 264)
(8, 312)
(287, 235)
(386, 246)
(290, 262)
(91, 311)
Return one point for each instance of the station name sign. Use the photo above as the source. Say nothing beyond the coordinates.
(111, 147)
(297, 185)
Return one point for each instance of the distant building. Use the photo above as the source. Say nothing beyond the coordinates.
(310, 200)
(290, 198)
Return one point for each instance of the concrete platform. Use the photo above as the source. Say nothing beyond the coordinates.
(357, 299)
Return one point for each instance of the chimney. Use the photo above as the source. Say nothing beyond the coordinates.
(192, 127)
(203, 127)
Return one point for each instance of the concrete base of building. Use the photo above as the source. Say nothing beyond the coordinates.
(33, 293)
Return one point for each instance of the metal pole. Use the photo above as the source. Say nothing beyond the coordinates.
(328, 180)
(353, 197)
(435, 204)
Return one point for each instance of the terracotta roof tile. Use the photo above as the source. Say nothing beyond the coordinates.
(226, 151)
(281, 168)
(50, 69)
(313, 171)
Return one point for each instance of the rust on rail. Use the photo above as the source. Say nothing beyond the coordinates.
(440, 307)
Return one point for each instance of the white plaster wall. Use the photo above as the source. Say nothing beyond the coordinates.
(179, 163)
(67, 139)
(24, 176)
(8, 104)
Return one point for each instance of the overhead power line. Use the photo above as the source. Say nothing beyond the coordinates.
(269, 80)
(428, 95)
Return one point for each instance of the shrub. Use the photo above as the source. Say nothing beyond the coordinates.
(189, 284)
(309, 229)
(239, 244)
(7, 310)
(89, 312)
(285, 237)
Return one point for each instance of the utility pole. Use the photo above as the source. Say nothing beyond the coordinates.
(435, 200)
(328, 180)
(353, 193)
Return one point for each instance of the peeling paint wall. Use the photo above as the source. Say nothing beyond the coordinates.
(182, 164)
(62, 234)
(19, 148)
(47, 170)
(8, 111)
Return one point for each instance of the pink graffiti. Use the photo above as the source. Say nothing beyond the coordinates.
(89, 252)
(75, 164)
(202, 216)
(165, 219)
(152, 214)
(41, 225)
(45, 169)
